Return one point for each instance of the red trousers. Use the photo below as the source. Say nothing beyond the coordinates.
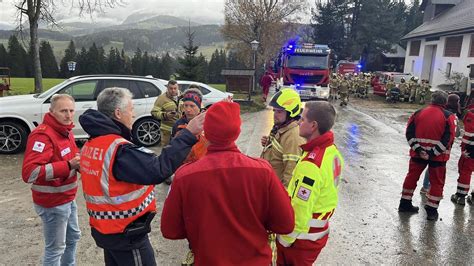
(265, 90)
(437, 173)
(465, 167)
(300, 255)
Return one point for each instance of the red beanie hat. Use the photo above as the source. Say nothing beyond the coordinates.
(222, 123)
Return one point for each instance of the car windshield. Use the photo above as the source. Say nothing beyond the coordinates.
(51, 90)
(307, 61)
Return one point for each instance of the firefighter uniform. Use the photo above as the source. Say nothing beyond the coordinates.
(313, 190)
(466, 161)
(403, 86)
(333, 84)
(344, 91)
(283, 151)
(424, 90)
(163, 105)
(389, 87)
(431, 129)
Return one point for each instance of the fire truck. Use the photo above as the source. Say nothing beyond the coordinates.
(305, 68)
(348, 67)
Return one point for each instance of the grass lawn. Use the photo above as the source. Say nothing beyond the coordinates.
(26, 85)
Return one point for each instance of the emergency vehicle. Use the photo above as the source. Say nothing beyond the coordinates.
(305, 68)
(348, 67)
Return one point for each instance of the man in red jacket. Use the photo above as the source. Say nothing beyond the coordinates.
(226, 203)
(430, 133)
(266, 82)
(466, 161)
(50, 165)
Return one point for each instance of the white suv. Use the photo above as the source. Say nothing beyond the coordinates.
(19, 115)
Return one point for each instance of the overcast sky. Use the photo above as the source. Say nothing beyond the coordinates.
(200, 11)
(209, 11)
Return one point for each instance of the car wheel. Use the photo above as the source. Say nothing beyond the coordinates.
(13, 137)
(146, 132)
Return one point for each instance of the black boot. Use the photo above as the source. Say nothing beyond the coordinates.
(459, 199)
(431, 213)
(470, 199)
(407, 206)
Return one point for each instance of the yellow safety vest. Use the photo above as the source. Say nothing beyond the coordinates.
(313, 190)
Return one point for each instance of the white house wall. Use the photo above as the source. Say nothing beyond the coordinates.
(414, 64)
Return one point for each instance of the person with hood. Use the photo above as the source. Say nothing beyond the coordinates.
(430, 133)
(118, 177)
(226, 203)
(282, 147)
(166, 109)
(50, 165)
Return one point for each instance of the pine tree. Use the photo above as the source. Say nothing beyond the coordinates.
(167, 68)
(145, 70)
(137, 64)
(82, 62)
(49, 66)
(111, 62)
(69, 55)
(190, 64)
(95, 60)
(16, 57)
(3, 56)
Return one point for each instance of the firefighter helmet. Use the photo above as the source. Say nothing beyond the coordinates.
(287, 99)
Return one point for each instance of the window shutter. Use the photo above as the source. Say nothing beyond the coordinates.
(453, 46)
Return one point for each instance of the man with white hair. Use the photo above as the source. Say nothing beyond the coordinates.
(118, 177)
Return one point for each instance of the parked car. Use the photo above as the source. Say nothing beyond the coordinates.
(210, 95)
(380, 79)
(19, 115)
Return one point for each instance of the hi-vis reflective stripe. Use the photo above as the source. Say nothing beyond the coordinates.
(34, 174)
(50, 189)
(467, 142)
(463, 185)
(302, 236)
(468, 134)
(49, 172)
(104, 179)
(277, 145)
(112, 215)
(169, 104)
(317, 223)
(290, 157)
(431, 197)
(429, 141)
(118, 199)
(165, 127)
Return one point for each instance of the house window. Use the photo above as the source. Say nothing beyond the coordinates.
(415, 48)
(452, 47)
(448, 70)
(471, 48)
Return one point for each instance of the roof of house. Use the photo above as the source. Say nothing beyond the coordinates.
(424, 3)
(457, 20)
(397, 52)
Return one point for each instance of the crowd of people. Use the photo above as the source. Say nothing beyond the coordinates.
(283, 200)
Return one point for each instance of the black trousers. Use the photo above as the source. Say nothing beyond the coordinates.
(142, 255)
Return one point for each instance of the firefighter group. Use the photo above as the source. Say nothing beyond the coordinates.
(232, 209)
(358, 85)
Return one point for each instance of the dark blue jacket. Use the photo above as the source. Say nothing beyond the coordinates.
(135, 164)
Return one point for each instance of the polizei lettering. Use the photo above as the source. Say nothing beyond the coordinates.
(93, 153)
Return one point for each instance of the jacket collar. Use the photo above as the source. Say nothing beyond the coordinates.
(51, 121)
(323, 141)
(212, 148)
(287, 127)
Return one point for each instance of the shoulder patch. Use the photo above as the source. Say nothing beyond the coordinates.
(38, 146)
(303, 193)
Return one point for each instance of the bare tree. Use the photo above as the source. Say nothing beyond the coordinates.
(269, 22)
(43, 10)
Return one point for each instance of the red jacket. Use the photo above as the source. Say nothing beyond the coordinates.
(48, 149)
(266, 80)
(225, 204)
(431, 129)
(467, 142)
